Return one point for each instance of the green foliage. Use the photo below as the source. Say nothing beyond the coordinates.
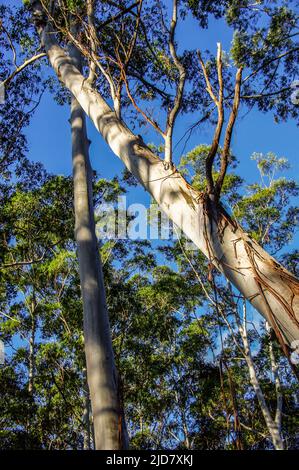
(265, 209)
(73, 5)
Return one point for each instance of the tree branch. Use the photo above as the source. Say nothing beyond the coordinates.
(265, 64)
(22, 67)
(228, 134)
(143, 114)
(122, 12)
(93, 40)
(219, 103)
(149, 85)
(172, 114)
(128, 55)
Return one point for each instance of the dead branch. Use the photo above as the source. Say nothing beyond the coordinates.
(219, 103)
(93, 40)
(143, 114)
(173, 112)
(228, 134)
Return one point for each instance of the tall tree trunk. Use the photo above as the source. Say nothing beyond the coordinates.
(102, 378)
(271, 289)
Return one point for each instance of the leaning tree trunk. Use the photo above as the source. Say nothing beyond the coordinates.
(109, 426)
(270, 288)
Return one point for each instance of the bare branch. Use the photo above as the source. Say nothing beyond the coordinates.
(122, 12)
(22, 67)
(144, 115)
(172, 114)
(128, 55)
(93, 40)
(23, 263)
(149, 85)
(219, 103)
(134, 37)
(205, 73)
(265, 95)
(228, 134)
(266, 63)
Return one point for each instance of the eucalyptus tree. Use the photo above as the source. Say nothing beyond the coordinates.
(108, 417)
(47, 410)
(120, 38)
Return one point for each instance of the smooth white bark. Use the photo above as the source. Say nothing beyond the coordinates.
(109, 426)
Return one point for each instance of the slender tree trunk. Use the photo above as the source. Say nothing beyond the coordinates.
(237, 426)
(86, 414)
(271, 424)
(278, 390)
(271, 289)
(93, 439)
(31, 351)
(31, 365)
(108, 419)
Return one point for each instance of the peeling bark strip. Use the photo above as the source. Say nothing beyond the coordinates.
(230, 249)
